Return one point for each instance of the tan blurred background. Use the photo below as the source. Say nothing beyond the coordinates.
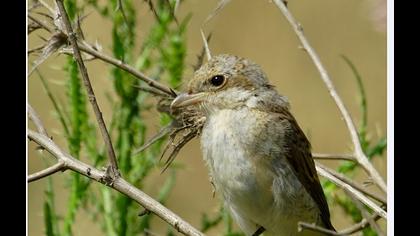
(258, 31)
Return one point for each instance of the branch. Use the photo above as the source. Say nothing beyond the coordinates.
(350, 230)
(355, 185)
(359, 154)
(366, 214)
(359, 226)
(91, 95)
(120, 64)
(352, 190)
(316, 228)
(85, 47)
(40, 23)
(59, 166)
(325, 156)
(37, 121)
(118, 184)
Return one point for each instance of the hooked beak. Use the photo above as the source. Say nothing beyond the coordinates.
(185, 99)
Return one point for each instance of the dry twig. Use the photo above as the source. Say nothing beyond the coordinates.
(350, 189)
(91, 95)
(359, 154)
(66, 161)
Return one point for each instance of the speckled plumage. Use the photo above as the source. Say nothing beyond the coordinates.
(259, 159)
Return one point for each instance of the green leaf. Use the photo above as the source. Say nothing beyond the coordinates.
(50, 217)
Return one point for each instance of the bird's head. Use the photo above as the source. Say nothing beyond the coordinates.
(224, 82)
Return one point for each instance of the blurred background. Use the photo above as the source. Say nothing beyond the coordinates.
(251, 29)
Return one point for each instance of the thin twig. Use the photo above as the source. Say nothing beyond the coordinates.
(118, 184)
(85, 47)
(366, 215)
(40, 23)
(359, 226)
(206, 45)
(59, 166)
(152, 91)
(348, 231)
(200, 57)
(326, 156)
(352, 190)
(37, 121)
(120, 64)
(316, 228)
(359, 154)
(355, 185)
(36, 49)
(91, 95)
(50, 9)
(56, 106)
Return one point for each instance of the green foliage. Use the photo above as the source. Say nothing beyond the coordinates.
(222, 215)
(348, 167)
(50, 218)
(228, 222)
(162, 55)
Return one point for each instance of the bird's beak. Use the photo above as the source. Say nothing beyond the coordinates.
(185, 99)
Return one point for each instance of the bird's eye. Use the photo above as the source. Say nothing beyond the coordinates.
(217, 80)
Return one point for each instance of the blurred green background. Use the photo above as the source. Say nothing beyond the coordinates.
(255, 30)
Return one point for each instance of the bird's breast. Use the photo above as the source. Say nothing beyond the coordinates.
(228, 143)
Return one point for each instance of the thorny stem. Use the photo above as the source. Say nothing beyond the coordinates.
(91, 95)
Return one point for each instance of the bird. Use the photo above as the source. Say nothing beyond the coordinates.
(258, 157)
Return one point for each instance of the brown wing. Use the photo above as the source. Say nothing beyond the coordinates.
(300, 157)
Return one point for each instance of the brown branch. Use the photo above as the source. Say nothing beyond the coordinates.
(316, 228)
(359, 226)
(120, 64)
(91, 95)
(359, 154)
(366, 215)
(359, 195)
(118, 184)
(37, 121)
(85, 47)
(348, 231)
(354, 184)
(59, 166)
(326, 156)
(40, 23)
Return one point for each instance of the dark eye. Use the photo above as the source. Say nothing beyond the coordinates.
(217, 80)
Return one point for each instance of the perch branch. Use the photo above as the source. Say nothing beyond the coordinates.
(118, 184)
(359, 226)
(359, 154)
(350, 189)
(352, 183)
(366, 215)
(91, 95)
(348, 231)
(59, 166)
(316, 228)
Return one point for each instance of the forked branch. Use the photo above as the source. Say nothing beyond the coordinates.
(86, 81)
